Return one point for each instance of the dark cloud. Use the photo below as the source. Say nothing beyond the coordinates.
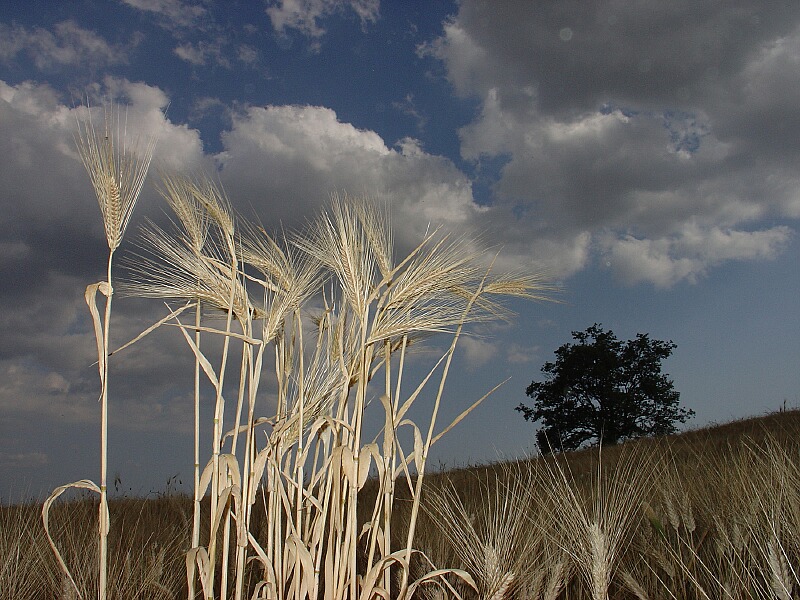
(650, 122)
(643, 53)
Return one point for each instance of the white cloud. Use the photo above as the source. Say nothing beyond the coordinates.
(203, 53)
(205, 106)
(517, 354)
(247, 54)
(690, 253)
(68, 44)
(178, 147)
(306, 15)
(191, 53)
(477, 352)
(407, 107)
(184, 19)
(177, 12)
(286, 160)
(465, 59)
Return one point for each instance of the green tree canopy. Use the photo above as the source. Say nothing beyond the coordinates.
(604, 390)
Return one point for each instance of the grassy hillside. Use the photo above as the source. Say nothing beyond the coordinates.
(712, 513)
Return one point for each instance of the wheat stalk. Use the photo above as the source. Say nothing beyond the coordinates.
(117, 169)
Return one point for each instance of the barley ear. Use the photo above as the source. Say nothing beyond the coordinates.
(116, 168)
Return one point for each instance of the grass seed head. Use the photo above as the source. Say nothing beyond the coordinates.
(117, 168)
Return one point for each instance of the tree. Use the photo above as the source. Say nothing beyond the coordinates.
(602, 389)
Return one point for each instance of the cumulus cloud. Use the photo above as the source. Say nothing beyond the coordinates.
(670, 131)
(68, 44)
(306, 15)
(179, 147)
(286, 160)
(477, 352)
(689, 255)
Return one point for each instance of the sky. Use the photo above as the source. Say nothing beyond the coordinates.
(644, 155)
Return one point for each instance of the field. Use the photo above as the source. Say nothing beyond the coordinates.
(318, 488)
(712, 513)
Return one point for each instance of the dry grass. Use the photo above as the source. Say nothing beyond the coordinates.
(705, 515)
(147, 541)
(117, 163)
(719, 521)
(494, 534)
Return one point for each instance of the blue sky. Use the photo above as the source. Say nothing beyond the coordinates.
(644, 156)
